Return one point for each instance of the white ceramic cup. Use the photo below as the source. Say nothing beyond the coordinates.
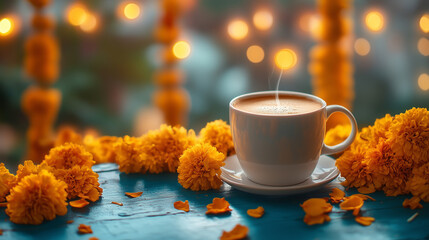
(281, 150)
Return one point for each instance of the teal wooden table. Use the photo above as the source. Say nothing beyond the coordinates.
(152, 216)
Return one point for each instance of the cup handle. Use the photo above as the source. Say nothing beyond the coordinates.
(328, 150)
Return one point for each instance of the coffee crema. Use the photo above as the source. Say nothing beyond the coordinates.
(267, 105)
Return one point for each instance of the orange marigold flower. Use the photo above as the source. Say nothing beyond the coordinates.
(162, 148)
(337, 195)
(219, 205)
(256, 213)
(79, 203)
(337, 134)
(84, 229)
(68, 155)
(133, 194)
(419, 182)
(199, 168)
(409, 135)
(81, 182)
(238, 232)
(37, 197)
(102, 148)
(67, 134)
(365, 221)
(29, 168)
(412, 203)
(352, 203)
(184, 206)
(7, 181)
(218, 134)
(128, 150)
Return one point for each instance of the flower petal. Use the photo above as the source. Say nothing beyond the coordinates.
(256, 213)
(365, 221)
(184, 206)
(133, 194)
(219, 205)
(238, 232)
(84, 229)
(79, 203)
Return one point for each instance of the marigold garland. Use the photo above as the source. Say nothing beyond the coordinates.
(392, 155)
(102, 148)
(218, 134)
(199, 168)
(37, 197)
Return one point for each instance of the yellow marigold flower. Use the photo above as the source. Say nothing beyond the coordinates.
(218, 134)
(67, 134)
(162, 148)
(419, 182)
(69, 155)
(7, 181)
(409, 135)
(29, 168)
(353, 166)
(82, 182)
(199, 167)
(337, 134)
(37, 197)
(102, 148)
(128, 150)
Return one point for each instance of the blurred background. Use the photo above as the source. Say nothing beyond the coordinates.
(109, 56)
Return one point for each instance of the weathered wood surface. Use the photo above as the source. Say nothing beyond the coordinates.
(152, 216)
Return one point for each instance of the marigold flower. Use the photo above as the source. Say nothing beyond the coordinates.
(69, 155)
(337, 195)
(162, 148)
(101, 148)
(133, 194)
(128, 150)
(419, 182)
(238, 232)
(84, 229)
(409, 135)
(365, 221)
(7, 181)
(67, 134)
(79, 203)
(37, 197)
(81, 182)
(412, 203)
(184, 206)
(256, 213)
(218, 206)
(29, 168)
(353, 166)
(218, 134)
(337, 134)
(199, 168)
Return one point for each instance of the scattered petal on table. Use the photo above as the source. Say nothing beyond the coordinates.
(179, 205)
(79, 203)
(93, 238)
(316, 206)
(337, 195)
(256, 213)
(311, 220)
(84, 229)
(70, 221)
(133, 194)
(219, 205)
(412, 203)
(365, 221)
(363, 196)
(352, 203)
(238, 232)
(118, 203)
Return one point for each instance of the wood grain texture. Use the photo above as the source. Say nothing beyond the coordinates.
(152, 216)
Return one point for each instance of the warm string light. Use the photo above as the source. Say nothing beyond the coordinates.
(423, 81)
(255, 54)
(374, 20)
(285, 59)
(76, 14)
(181, 49)
(423, 46)
(424, 23)
(263, 20)
(90, 23)
(362, 46)
(6, 26)
(238, 29)
(129, 10)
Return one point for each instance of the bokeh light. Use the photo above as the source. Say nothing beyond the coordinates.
(285, 59)
(6, 26)
(181, 49)
(129, 10)
(238, 29)
(263, 20)
(424, 23)
(76, 14)
(374, 20)
(423, 82)
(90, 23)
(362, 46)
(255, 54)
(423, 46)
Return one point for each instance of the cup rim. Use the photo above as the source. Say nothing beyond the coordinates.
(264, 93)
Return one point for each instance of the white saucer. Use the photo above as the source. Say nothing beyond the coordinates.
(324, 173)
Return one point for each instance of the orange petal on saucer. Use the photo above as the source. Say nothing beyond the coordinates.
(412, 203)
(311, 220)
(363, 196)
(256, 213)
(366, 221)
(184, 206)
(352, 203)
(316, 206)
(84, 229)
(219, 205)
(79, 203)
(238, 232)
(118, 203)
(337, 195)
(133, 194)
